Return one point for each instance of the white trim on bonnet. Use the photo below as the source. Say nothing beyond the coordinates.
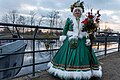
(78, 8)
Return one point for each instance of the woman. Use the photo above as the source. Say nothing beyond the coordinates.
(73, 60)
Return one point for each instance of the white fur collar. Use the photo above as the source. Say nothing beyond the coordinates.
(77, 28)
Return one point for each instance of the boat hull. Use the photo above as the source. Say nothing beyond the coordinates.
(9, 61)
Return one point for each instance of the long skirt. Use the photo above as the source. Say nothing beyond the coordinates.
(75, 63)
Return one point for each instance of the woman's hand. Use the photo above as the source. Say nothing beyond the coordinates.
(88, 42)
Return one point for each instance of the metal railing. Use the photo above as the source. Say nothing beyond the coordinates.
(106, 39)
(33, 41)
(34, 38)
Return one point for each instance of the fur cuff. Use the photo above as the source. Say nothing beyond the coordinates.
(83, 34)
(62, 38)
(73, 37)
(69, 33)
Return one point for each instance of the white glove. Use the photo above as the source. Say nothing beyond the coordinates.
(88, 42)
(95, 35)
(62, 38)
(85, 34)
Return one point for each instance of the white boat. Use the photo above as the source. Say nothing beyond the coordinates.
(8, 61)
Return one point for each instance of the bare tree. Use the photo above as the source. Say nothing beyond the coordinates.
(13, 15)
(28, 20)
(61, 23)
(40, 20)
(21, 20)
(53, 17)
(32, 17)
(57, 17)
(50, 17)
(5, 18)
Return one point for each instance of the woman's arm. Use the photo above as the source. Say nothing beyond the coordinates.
(65, 30)
(66, 27)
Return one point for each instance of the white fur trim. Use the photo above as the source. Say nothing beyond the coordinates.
(82, 34)
(77, 31)
(63, 74)
(95, 33)
(97, 73)
(62, 38)
(77, 8)
(70, 33)
(72, 37)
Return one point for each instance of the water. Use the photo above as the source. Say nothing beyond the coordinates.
(45, 56)
(39, 56)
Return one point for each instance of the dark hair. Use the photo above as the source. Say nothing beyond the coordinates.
(77, 4)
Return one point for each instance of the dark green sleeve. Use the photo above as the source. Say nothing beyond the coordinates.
(66, 27)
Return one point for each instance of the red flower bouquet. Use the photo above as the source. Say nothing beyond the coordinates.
(90, 23)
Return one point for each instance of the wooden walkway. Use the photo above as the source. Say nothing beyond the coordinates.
(110, 65)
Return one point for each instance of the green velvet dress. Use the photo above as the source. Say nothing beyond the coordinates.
(74, 63)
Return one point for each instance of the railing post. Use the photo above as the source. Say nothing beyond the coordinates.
(0, 50)
(106, 43)
(98, 44)
(118, 42)
(35, 32)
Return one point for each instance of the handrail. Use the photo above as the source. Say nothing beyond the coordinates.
(29, 26)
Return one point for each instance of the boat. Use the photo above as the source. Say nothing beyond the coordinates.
(8, 61)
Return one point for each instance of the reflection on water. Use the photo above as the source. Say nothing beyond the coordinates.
(39, 56)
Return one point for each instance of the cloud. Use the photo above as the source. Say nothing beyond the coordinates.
(28, 7)
(107, 12)
(109, 8)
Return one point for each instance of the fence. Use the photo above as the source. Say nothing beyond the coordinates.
(33, 64)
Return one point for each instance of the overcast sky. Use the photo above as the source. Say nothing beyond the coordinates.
(110, 9)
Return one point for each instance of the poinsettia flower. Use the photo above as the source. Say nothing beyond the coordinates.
(85, 21)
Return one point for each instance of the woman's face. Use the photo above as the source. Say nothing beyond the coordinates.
(77, 13)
